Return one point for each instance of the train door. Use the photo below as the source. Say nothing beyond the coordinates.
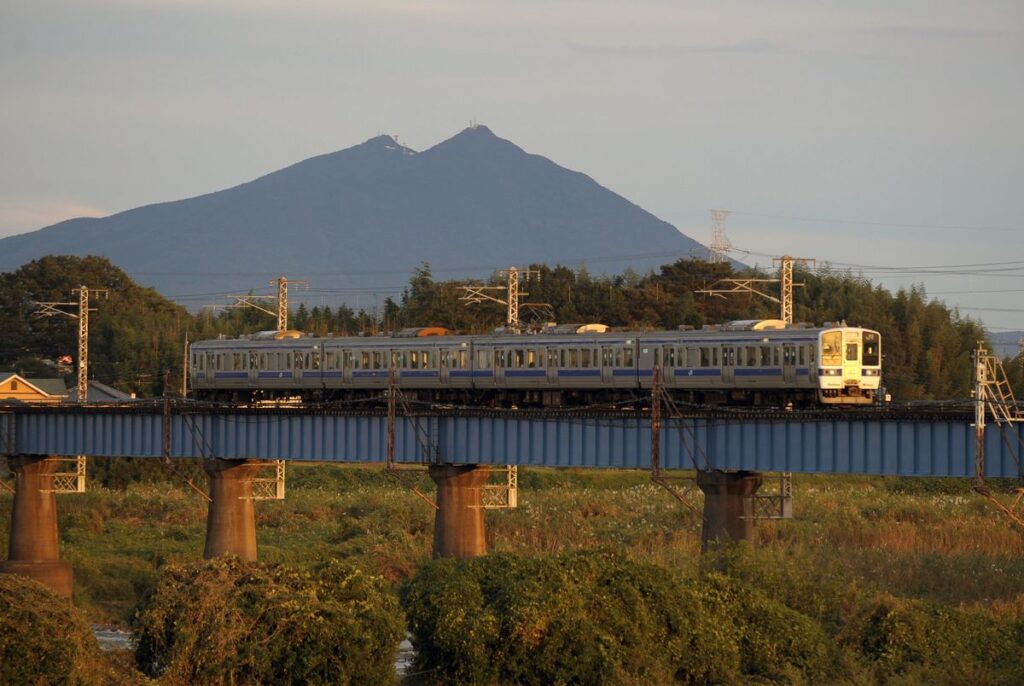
(728, 365)
(607, 365)
(789, 364)
(553, 363)
(851, 355)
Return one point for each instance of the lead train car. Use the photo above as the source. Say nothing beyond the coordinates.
(739, 363)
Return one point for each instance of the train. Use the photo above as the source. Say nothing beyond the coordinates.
(756, 362)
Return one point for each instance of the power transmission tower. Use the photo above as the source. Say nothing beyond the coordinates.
(515, 277)
(82, 315)
(720, 244)
(279, 302)
(726, 287)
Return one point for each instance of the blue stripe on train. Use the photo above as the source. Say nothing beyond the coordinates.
(698, 372)
(419, 373)
(579, 372)
(525, 372)
(231, 375)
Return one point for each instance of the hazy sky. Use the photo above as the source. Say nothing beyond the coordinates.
(878, 134)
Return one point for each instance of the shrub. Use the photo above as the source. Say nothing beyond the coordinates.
(226, 621)
(598, 618)
(43, 639)
(899, 636)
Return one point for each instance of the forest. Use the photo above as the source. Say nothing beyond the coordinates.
(137, 337)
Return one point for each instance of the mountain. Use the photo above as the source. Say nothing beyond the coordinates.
(361, 219)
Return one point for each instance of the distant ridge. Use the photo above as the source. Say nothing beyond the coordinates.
(365, 217)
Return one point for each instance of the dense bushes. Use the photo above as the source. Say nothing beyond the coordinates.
(226, 621)
(43, 639)
(599, 618)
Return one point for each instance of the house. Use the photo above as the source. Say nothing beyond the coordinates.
(101, 393)
(13, 386)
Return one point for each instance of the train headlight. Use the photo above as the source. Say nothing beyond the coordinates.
(871, 372)
(831, 372)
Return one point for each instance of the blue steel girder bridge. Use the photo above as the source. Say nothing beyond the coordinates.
(728, 449)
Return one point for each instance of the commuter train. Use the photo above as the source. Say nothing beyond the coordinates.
(742, 363)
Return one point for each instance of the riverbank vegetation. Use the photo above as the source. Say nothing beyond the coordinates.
(883, 568)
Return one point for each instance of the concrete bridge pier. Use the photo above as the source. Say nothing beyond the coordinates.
(231, 518)
(33, 550)
(728, 506)
(459, 521)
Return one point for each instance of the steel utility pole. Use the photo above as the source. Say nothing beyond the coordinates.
(280, 301)
(785, 299)
(52, 309)
(515, 276)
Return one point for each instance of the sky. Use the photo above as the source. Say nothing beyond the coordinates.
(883, 137)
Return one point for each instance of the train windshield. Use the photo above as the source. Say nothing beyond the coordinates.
(871, 349)
(832, 348)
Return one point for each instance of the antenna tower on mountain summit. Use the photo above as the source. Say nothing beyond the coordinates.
(720, 244)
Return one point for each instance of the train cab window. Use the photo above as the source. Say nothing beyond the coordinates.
(870, 356)
(852, 352)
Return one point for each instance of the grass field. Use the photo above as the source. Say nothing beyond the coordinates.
(931, 540)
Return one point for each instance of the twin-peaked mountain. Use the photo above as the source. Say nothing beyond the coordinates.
(367, 216)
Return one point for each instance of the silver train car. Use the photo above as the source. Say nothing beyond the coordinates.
(745, 363)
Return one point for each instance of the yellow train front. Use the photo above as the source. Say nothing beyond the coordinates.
(850, 369)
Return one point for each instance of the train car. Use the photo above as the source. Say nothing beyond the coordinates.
(755, 362)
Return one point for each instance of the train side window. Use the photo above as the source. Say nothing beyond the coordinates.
(261, 363)
(766, 356)
(531, 358)
(483, 359)
(414, 359)
(520, 360)
(618, 357)
(364, 360)
(740, 357)
(316, 359)
(810, 354)
(751, 356)
(627, 357)
(330, 359)
(800, 356)
(573, 358)
(714, 357)
(775, 356)
(585, 358)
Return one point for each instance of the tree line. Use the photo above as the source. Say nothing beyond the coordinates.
(137, 336)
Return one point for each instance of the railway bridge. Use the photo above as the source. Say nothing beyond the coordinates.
(729, 450)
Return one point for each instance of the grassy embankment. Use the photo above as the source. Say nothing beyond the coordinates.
(931, 540)
(926, 539)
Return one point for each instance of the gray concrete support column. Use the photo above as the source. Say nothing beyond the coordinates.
(231, 518)
(459, 521)
(33, 550)
(728, 507)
